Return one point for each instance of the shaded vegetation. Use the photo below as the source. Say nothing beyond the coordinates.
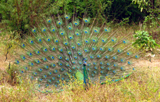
(19, 16)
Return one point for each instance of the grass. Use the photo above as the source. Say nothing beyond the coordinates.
(142, 86)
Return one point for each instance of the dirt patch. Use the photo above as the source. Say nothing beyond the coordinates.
(146, 63)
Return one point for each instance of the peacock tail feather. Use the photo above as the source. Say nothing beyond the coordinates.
(60, 46)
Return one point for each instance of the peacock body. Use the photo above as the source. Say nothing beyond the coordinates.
(66, 46)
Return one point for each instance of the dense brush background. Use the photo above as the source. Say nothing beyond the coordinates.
(128, 16)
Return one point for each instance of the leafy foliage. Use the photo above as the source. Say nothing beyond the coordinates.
(141, 3)
(121, 9)
(20, 15)
(151, 24)
(150, 21)
(145, 41)
(110, 10)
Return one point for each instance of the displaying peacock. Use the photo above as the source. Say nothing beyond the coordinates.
(67, 46)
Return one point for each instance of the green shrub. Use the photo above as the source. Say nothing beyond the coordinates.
(144, 41)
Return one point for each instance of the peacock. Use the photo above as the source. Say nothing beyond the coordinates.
(66, 46)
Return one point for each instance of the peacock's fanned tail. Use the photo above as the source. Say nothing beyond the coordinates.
(58, 46)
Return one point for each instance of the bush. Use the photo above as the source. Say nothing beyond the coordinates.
(19, 15)
(144, 41)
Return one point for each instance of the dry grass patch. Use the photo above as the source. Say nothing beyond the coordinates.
(142, 85)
